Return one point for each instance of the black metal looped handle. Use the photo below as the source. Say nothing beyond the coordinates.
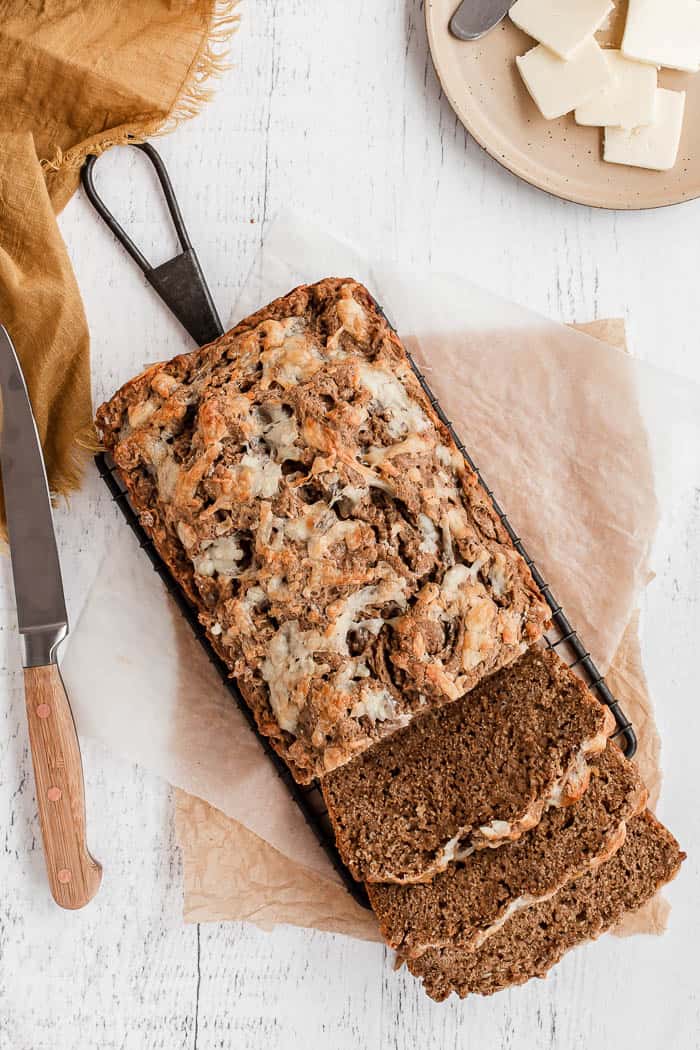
(179, 282)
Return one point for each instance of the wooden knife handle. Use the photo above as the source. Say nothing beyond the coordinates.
(74, 876)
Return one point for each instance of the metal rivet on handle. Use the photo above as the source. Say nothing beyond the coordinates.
(54, 794)
(64, 875)
(43, 710)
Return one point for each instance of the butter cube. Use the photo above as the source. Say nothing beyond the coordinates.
(664, 33)
(558, 86)
(628, 101)
(654, 146)
(561, 25)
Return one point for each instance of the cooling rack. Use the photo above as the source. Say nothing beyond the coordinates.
(181, 284)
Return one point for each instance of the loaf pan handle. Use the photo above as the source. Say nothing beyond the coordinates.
(179, 282)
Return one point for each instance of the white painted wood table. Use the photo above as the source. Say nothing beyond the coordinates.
(333, 108)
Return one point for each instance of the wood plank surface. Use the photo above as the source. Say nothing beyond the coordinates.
(333, 108)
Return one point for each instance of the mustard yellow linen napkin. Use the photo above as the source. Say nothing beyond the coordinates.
(83, 75)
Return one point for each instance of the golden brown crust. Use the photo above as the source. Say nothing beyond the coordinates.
(346, 564)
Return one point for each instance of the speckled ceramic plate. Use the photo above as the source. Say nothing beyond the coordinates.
(482, 83)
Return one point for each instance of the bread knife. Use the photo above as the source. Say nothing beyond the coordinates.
(74, 876)
(474, 18)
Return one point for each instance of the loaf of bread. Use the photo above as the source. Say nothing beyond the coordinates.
(472, 899)
(535, 939)
(347, 565)
(473, 774)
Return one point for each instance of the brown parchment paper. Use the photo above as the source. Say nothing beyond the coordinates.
(232, 874)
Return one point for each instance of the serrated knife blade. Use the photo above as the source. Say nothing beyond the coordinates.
(74, 875)
(41, 607)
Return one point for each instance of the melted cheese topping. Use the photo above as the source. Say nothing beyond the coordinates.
(352, 317)
(405, 415)
(389, 590)
(254, 596)
(498, 577)
(262, 475)
(352, 493)
(451, 458)
(289, 663)
(320, 529)
(166, 469)
(290, 358)
(479, 633)
(412, 444)
(302, 529)
(376, 704)
(348, 532)
(496, 831)
(168, 474)
(353, 320)
(460, 577)
(279, 431)
(429, 543)
(219, 557)
(140, 414)
(291, 659)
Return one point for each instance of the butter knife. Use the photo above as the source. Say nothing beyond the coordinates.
(74, 876)
(474, 18)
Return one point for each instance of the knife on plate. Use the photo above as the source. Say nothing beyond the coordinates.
(74, 876)
(474, 18)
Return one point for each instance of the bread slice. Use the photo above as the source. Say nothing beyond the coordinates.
(346, 563)
(472, 774)
(469, 901)
(537, 938)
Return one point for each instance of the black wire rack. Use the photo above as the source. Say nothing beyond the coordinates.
(562, 637)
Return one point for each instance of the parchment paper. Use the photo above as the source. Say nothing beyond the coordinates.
(565, 430)
(231, 874)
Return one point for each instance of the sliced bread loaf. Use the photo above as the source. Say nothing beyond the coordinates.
(346, 563)
(472, 774)
(532, 941)
(472, 899)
